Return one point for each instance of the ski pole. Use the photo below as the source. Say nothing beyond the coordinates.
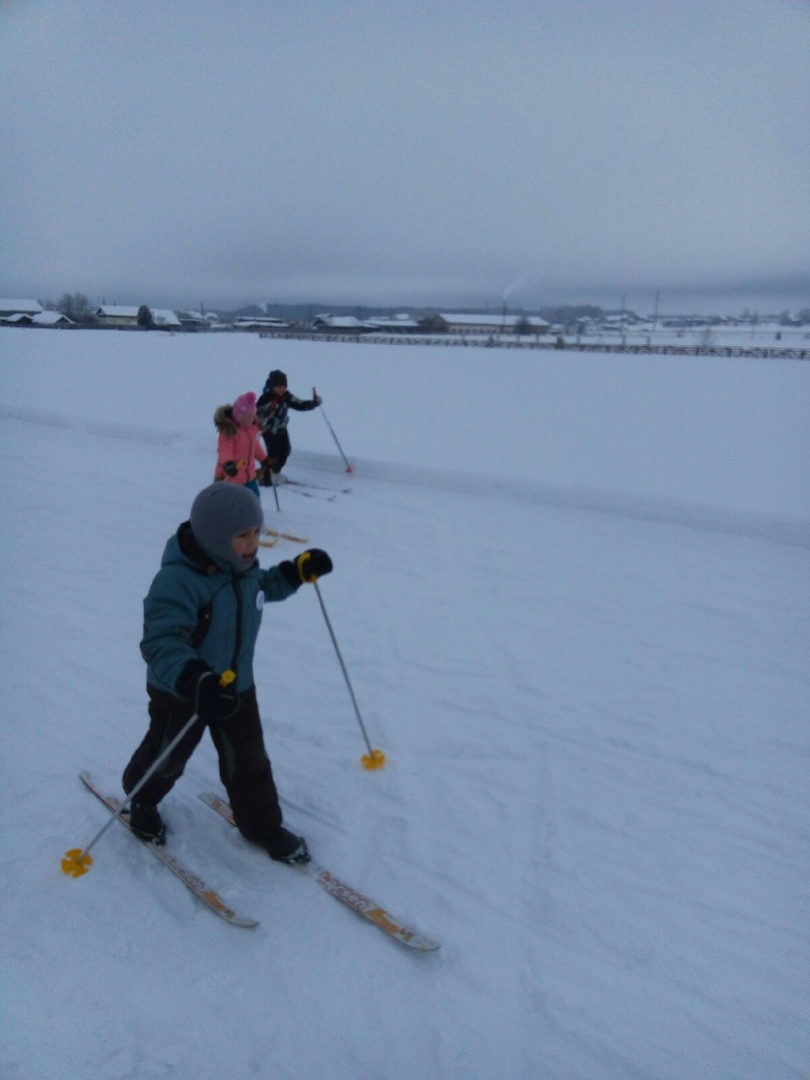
(374, 759)
(334, 436)
(78, 861)
(275, 489)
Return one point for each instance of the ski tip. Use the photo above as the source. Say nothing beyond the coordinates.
(218, 905)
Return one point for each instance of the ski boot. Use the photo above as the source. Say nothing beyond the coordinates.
(284, 846)
(147, 824)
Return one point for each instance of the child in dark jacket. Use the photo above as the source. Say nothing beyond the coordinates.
(201, 618)
(273, 409)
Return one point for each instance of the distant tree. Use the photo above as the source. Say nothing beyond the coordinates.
(73, 304)
(804, 315)
(571, 314)
(145, 317)
(523, 326)
(77, 307)
(433, 324)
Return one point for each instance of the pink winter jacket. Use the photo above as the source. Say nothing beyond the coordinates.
(239, 444)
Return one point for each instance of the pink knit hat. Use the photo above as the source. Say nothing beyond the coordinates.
(244, 407)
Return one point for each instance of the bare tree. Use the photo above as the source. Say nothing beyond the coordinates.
(73, 304)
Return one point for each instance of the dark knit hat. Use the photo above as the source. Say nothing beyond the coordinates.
(219, 513)
(277, 378)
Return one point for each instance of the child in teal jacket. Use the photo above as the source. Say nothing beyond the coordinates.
(201, 618)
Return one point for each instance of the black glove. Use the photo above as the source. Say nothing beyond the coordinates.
(230, 468)
(212, 701)
(312, 564)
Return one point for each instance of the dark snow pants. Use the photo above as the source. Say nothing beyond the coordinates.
(244, 767)
(278, 448)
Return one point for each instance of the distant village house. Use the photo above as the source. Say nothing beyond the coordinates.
(400, 324)
(30, 313)
(55, 319)
(340, 324)
(485, 324)
(117, 317)
(9, 307)
(120, 317)
(260, 323)
(164, 319)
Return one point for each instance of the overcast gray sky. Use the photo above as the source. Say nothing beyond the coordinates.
(388, 151)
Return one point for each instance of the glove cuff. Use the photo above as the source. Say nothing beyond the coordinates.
(290, 572)
(186, 685)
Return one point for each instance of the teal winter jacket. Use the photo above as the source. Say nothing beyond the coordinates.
(199, 609)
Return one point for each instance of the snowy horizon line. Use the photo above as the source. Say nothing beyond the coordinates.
(739, 307)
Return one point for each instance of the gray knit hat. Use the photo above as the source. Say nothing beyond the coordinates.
(219, 513)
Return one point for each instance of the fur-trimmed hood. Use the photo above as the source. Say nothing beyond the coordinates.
(226, 424)
(224, 421)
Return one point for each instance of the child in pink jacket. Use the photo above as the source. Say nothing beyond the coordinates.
(239, 445)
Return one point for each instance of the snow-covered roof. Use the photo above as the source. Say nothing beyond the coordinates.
(164, 317)
(17, 317)
(15, 307)
(52, 318)
(343, 322)
(259, 320)
(492, 320)
(399, 322)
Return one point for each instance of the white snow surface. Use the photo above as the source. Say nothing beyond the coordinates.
(571, 594)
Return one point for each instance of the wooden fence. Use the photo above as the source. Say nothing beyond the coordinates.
(461, 341)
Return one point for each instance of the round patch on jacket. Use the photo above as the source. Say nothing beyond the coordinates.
(260, 600)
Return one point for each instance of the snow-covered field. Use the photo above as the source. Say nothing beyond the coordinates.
(571, 593)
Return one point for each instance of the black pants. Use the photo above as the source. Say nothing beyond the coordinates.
(278, 448)
(244, 767)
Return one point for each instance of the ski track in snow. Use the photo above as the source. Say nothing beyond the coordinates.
(595, 795)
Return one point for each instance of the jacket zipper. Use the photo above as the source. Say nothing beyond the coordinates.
(238, 641)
